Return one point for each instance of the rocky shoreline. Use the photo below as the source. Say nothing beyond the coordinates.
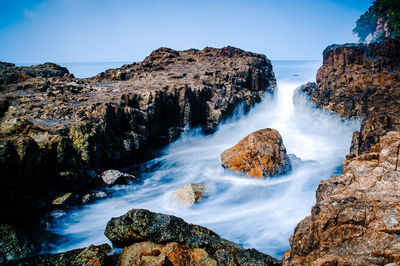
(58, 132)
(355, 220)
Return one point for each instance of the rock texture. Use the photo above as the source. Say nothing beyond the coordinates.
(358, 80)
(13, 244)
(90, 256)
(192, 241)
(355, 220)
(115, 177)
(55, 129)
(189, 194)
(148, 253)
(259, 154)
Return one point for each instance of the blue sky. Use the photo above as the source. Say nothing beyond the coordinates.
(36, 31)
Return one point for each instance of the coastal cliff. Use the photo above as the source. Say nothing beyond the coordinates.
(57, 131)
(355, 220)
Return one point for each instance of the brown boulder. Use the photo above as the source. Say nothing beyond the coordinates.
(149, 253)
(261, 153)
(189, 194)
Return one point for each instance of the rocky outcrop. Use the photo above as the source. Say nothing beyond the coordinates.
(259, 154)
(356, 219)
(92, 255)
(55, 129)
(358, 80)
(189, 194)
(193, 241)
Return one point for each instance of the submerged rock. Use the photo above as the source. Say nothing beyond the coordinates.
(93, 196)
(140, 225)
(65, 200)
(189, 194)
(148, 253)
(115, 177)
(261, 153)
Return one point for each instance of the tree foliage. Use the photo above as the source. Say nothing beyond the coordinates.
(382, 19)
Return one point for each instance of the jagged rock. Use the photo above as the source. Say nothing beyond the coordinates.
(189, 194)
(259, 154)
(356, 219)
(148, 253)
(115, 177)
(94, 196)
(140, 225)
(92, 255)
(358, 80)
(55, 128)
(13, 244)
(66, 200)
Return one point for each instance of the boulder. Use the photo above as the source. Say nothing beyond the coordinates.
(149, 253)
(259, 154)
(189, 194)
(93, 196)
(139, 225)
(66, 200)
(115, 177)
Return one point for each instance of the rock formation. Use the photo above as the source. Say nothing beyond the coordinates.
(56, 129)
(168, 238)
(355, 220)
(358, 80)
(259, 154)
(189, 194)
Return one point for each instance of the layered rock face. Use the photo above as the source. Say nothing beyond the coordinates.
(55, 128)
(355, 220)
(160, 239)
(358, 80)
(259, 154)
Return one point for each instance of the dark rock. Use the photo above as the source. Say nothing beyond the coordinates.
(92, 255)
(140, 225)
(13, 244)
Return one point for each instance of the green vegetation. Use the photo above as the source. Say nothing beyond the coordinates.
(382, 20)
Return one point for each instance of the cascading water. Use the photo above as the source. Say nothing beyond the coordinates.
(255, 213)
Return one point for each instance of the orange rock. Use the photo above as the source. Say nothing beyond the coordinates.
(149, 253)
(261, 153)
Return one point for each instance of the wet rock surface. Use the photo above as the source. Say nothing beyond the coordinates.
(115, 177)
(358, 80)
(259, 154)
(355, 220)
(193, 242)
(189, 194)
(56, 129)
(13, 244)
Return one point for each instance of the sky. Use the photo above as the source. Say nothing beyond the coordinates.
(38, 31)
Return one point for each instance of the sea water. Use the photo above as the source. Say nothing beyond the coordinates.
(255, 213)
